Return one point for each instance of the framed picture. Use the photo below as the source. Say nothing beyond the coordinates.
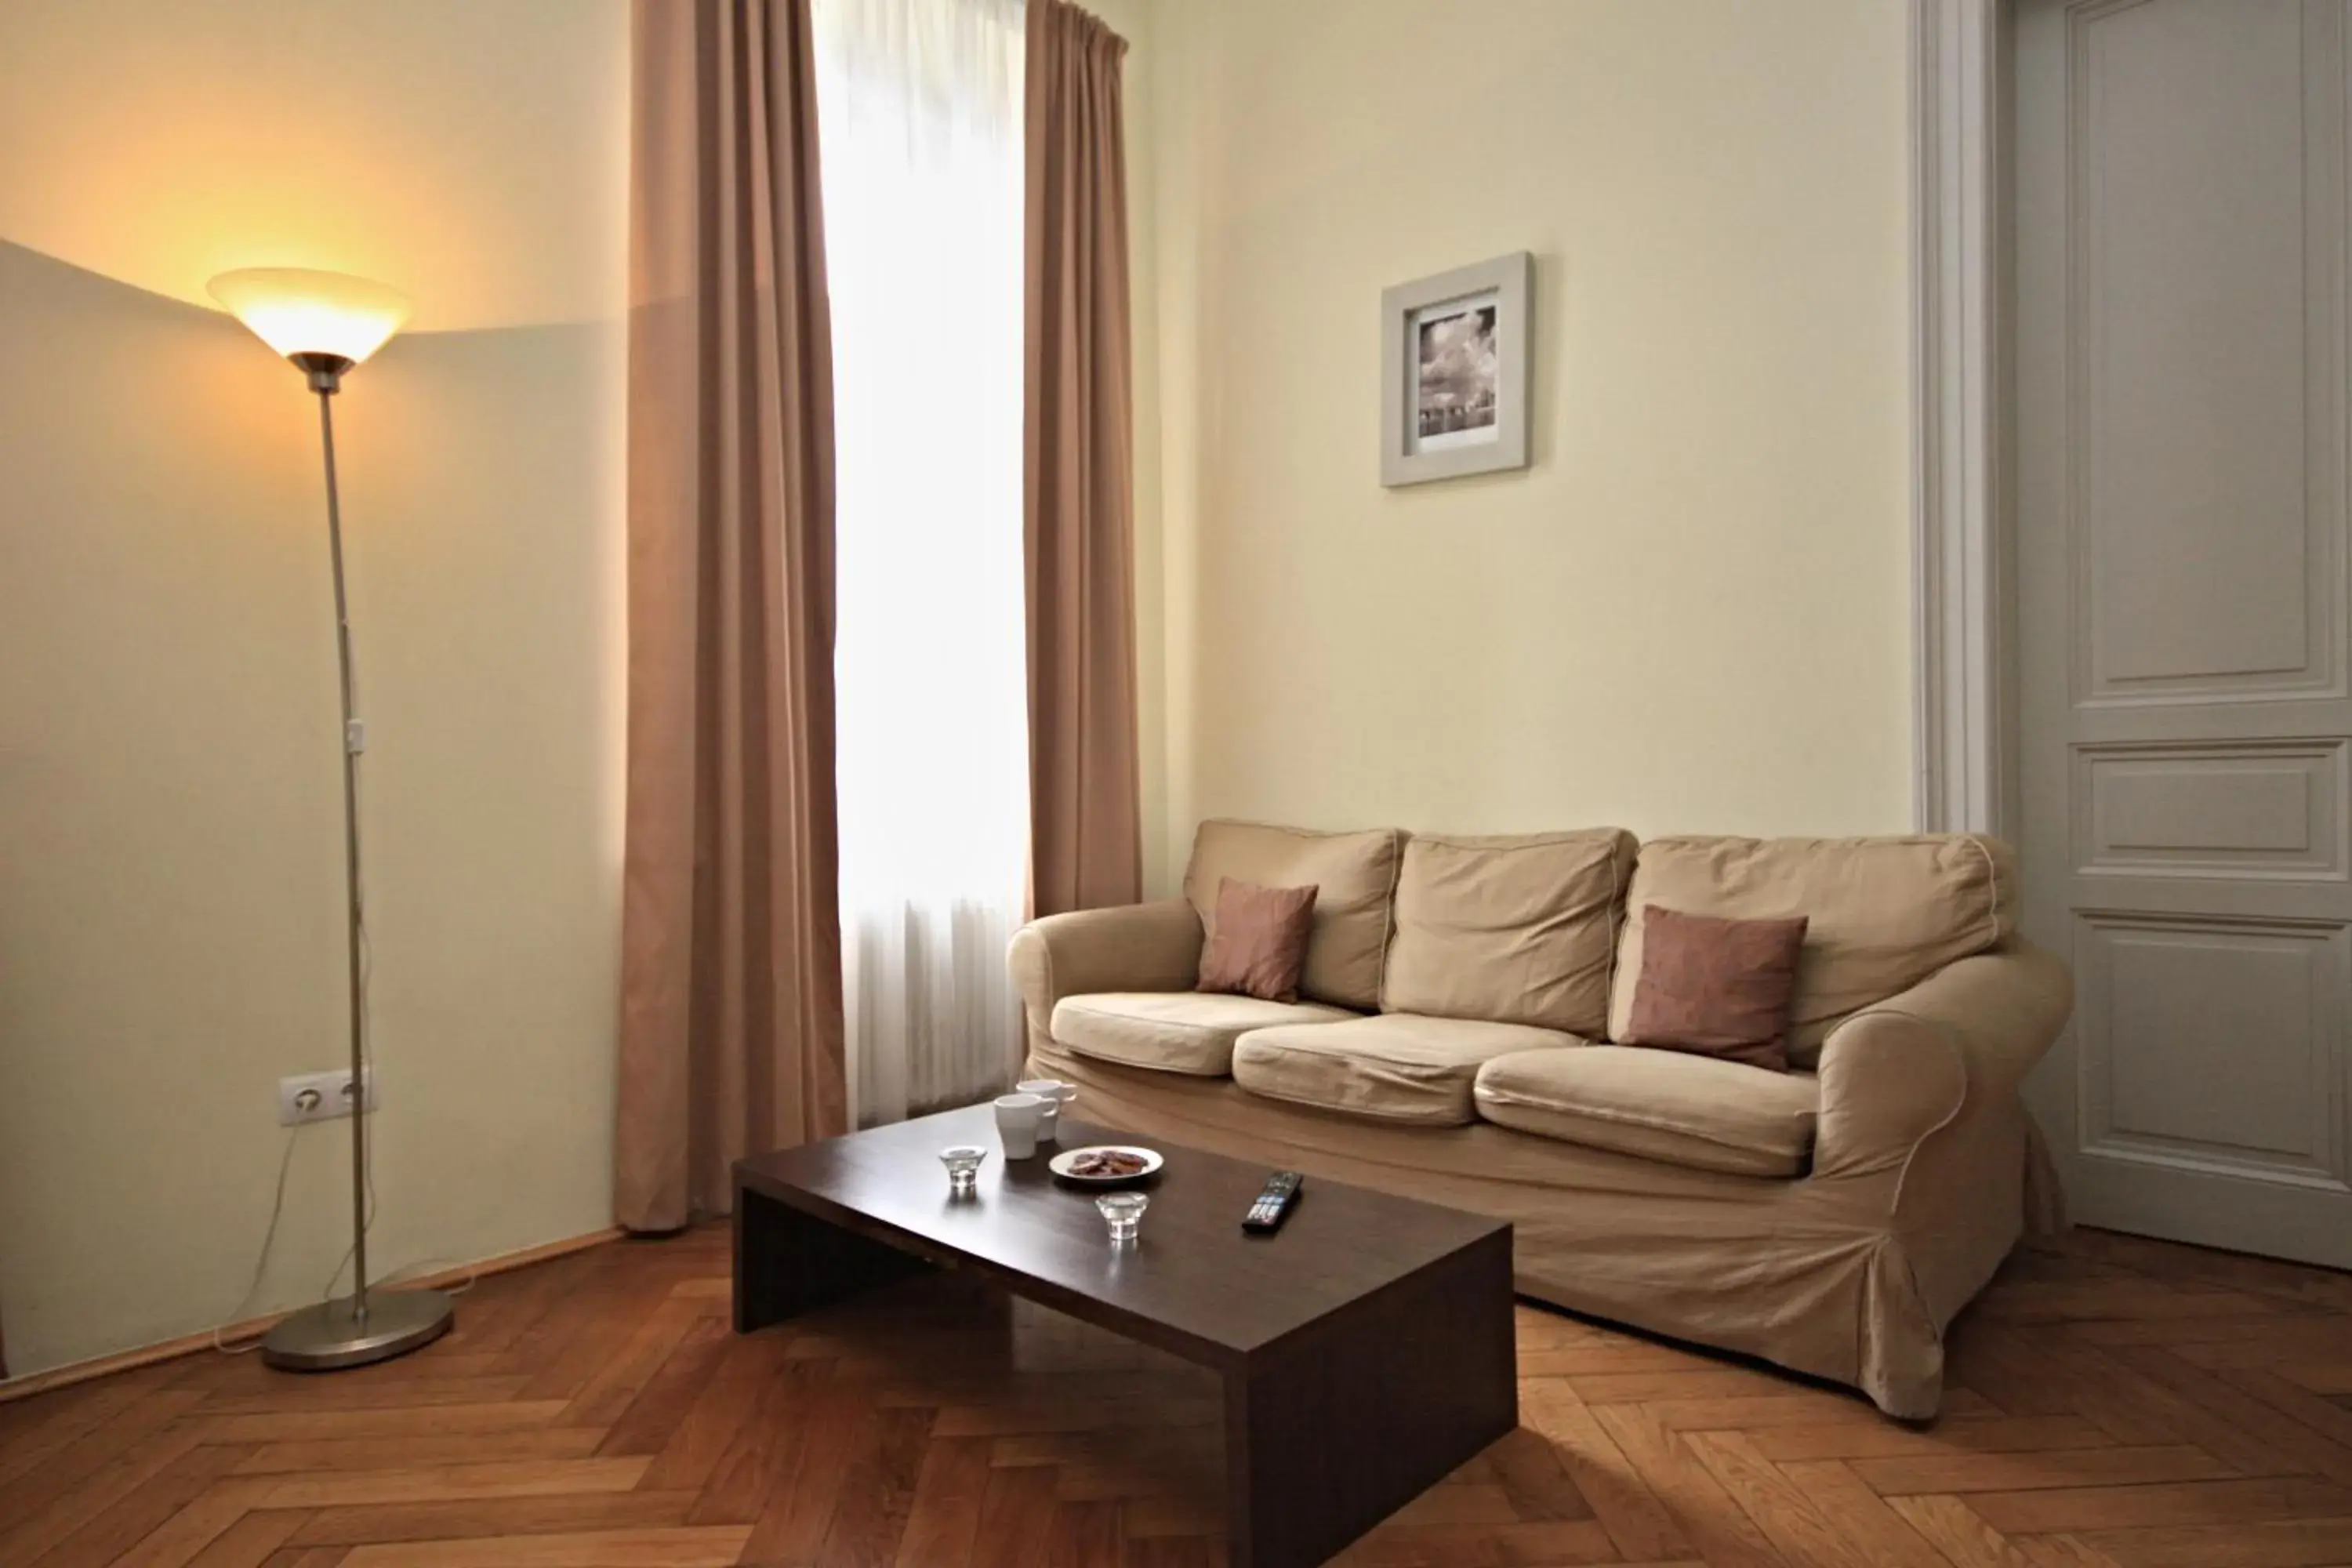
(1453, 362)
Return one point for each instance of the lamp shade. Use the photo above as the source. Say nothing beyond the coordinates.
(298, 312)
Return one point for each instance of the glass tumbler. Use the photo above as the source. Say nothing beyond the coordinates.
(1124, 1213)
(963, 1168)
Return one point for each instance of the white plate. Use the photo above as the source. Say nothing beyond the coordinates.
(1060, 1163)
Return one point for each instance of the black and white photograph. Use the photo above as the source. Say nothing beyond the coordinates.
(1455, 380)
(1454, 360)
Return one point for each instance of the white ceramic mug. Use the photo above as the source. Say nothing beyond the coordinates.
(1055, 1094)
(1018, 1118)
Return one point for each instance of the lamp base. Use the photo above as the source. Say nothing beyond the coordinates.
(328, 1337)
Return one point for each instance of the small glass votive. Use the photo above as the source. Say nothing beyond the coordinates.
(1124, 1211)
(963, 1168)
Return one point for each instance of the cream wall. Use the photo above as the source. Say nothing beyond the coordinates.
(1691, 613)
(170, 898)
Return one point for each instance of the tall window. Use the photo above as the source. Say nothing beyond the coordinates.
(920, 112)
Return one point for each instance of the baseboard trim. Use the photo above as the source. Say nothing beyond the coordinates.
(65, 1376)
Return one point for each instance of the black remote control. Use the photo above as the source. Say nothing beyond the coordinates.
(1273, 1202)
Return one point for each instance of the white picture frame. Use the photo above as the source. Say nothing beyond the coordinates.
(1454, 371)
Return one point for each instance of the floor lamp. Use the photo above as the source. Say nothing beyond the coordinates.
(326, 323)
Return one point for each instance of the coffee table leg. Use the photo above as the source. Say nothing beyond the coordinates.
(787, 1262)
(1329, 1435)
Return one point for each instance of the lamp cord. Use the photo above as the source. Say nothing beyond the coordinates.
(362, 951)
(367, 1068)
(362, 961)
(359, 1106)
(261, 1263)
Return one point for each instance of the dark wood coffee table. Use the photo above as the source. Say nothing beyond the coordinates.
(1366, 1347)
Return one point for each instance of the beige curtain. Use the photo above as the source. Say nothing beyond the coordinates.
(730, 972)
(1085, 811)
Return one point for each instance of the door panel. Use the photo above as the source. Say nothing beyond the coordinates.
(2180, 363)
(2233, 809)
(2168, 1006)
(2200, 522)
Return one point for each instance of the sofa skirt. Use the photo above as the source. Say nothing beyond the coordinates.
(1853, 1279)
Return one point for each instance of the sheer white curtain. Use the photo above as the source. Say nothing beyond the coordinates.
(919, 113)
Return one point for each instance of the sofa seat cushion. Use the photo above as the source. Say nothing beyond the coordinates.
(1699, 1112)
(1174, 1031)
(1398, 1067)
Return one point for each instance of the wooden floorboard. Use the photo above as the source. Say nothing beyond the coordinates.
(2113, 1404)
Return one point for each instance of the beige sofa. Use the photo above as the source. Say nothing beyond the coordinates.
(1450, 1043)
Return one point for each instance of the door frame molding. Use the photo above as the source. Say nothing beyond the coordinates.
(1964, 681)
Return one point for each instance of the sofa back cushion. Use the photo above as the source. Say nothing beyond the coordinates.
(1354, 877)
(1509, 931)
(1882, 914)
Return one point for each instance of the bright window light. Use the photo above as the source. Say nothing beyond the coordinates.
(920, 125)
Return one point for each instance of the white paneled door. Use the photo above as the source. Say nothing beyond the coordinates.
(2186, 693)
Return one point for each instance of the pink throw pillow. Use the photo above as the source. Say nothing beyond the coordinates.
(1716, 987)
(1257, 943)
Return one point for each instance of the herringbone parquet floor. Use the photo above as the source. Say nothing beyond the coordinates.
(2114, 1402)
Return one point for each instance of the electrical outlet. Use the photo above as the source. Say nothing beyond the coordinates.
(319, 1096)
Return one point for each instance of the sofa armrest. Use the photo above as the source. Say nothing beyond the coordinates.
(1132, 947)
(1903, 1069)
